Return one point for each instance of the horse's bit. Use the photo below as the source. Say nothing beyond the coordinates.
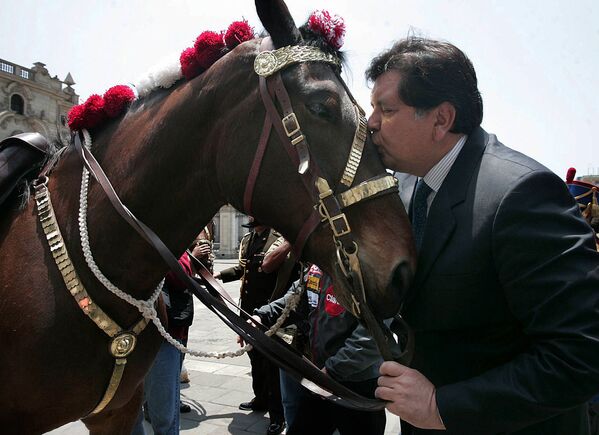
(328, 206)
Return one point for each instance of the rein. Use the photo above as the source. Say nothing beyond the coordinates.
(210, 295)
(327, 206)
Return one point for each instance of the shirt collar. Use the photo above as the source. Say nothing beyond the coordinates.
(435, 177)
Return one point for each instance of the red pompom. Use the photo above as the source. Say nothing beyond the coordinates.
(570, 175)
(116, 99)
(238, 32)
(209, 48)
(93, 111)
(75, 117)
(330, 27)
(189, 63)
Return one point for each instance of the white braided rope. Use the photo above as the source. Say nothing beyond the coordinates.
(146, 308)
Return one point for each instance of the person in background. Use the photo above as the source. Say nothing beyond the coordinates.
(504, 299)
(205, 256)
(161, 384)
(257, 287)
(342, 347)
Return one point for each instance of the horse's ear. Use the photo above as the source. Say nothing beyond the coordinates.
(278, 22)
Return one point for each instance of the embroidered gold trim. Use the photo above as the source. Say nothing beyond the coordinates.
(367, 189)
(269, 62)
(123, 343)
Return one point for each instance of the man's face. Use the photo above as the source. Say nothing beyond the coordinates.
(403, 139)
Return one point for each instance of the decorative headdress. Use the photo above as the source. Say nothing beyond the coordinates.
(330, 26)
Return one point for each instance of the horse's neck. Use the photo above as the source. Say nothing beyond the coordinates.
(168, 159)
(162, 180)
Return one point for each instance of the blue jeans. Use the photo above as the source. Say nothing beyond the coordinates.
(161, 393)
(291, 393)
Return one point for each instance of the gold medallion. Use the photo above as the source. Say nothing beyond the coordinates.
(265, 63)
(122, 345)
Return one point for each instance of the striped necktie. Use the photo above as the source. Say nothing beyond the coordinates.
(419, 211)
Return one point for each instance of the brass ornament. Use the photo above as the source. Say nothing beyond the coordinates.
(269, 62)
(367, 189)
(123, 344)
(357, 147)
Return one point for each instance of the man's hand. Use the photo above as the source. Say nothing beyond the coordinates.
(240, 341)
(217, 275)
(255, 320)
(411, 396)
(201, 251)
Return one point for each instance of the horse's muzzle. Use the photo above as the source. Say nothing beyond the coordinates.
(388, 304)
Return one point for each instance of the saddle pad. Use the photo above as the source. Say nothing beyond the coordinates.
(21, 157)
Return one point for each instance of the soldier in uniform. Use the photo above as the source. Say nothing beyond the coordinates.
(257, 288)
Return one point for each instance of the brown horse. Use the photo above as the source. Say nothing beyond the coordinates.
(174, 158)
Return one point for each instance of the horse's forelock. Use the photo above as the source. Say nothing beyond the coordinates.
(319, 41)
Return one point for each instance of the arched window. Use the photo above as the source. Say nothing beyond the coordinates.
(17, 104)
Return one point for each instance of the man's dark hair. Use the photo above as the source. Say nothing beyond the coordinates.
(433, 72)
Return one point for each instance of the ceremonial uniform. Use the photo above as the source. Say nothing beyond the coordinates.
(256, 285)
(257, 288)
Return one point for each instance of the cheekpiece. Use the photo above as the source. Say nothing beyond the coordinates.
(269, 62)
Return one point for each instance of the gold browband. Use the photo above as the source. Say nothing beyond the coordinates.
(269, 62)
(123, 341)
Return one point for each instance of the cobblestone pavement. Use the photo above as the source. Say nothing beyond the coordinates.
(217, 387)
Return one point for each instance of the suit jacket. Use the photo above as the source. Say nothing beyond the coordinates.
(505, 301)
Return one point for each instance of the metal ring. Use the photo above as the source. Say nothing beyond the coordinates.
(340, 261)
(41, 181)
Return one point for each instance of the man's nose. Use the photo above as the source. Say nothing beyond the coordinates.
(373, 122)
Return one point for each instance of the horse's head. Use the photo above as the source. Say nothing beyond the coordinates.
(316, 142)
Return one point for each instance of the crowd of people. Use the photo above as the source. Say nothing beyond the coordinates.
(504, 303)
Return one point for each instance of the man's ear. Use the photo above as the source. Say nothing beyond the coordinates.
(445, 114)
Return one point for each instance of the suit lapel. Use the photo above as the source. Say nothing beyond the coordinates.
(441, 221)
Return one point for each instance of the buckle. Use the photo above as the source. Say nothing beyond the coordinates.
(291, 130)
(345, 229)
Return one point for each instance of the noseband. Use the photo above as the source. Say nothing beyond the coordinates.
(328, 206)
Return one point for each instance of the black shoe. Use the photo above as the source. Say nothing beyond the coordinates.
(184, 408)
(275, 428)
(252, 405)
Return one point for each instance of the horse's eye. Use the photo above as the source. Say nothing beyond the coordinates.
(320, 110)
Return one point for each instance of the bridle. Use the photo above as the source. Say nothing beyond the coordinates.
(327, 209)
(328, 206)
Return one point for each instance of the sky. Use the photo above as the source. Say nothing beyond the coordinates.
(537, 61)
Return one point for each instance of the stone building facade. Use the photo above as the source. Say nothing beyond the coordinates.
(228, 231)
(32, 100)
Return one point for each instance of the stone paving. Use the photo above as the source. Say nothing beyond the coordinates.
(217, 387)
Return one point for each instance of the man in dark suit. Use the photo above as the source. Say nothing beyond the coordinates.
(505, 301)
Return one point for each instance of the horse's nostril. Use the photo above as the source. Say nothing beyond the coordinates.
(402, 278)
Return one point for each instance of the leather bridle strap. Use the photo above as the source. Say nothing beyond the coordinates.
(255, 168)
